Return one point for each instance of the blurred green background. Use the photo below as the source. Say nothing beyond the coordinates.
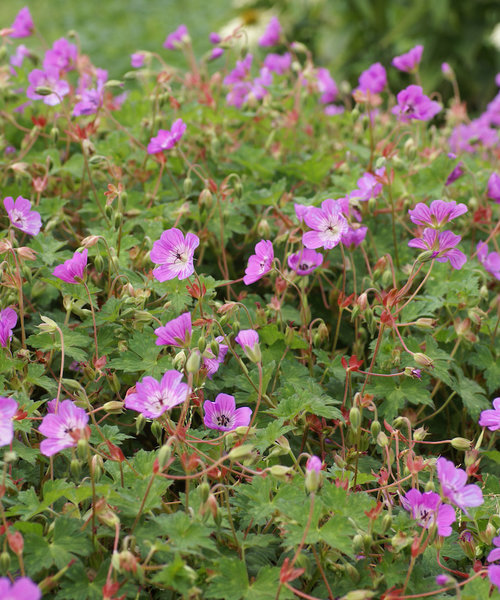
(345, 35)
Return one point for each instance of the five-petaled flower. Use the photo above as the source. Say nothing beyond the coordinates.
(410, 60)
(167, 139)
(152, 398)
(491, 418)
(174, 253)
(223, 415)
(414, 104)
(442, 246)
(453, 485)
(72, 270)
(64, 428)
(8, 408)
(248, 339)
(493, 190)
(489, 260)
(176, 332)
(23, 24)
(373, 80)
(271, 35)
(54, 87)
(21, 589)
(259, 263)
(328, 225)
(427, 509)
(305, 261)
(437, 214)
(8, 320)
(21, 215)
(176, 38)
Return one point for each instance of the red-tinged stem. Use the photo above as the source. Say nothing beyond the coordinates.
(19, 283)
(441, 590)
(115, 548)
(375, 352)
(299, 593)
(257, 405)
(61, 371)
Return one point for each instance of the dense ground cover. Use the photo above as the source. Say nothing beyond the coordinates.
(249, 328)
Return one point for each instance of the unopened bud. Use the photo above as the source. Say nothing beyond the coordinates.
(193, 363)
(16, 542)
(425, 323)
(280, 472)
(187, 185)
(179, 360)
(114, 407)
(426, 256)
(202, 344)
(240, 452)
(386, 523)
(48, 325)
(460, 443)
(140, 421)
(429, 486)
(355, 418)
(96, 466)
(43, 90)
(4, 561)
(215, 348)
(375, 428)
(205, 198)
(423, 360)
(9, 457)
(204, 489)
(82, 448)
(76, 468)
(157, 431)
(420, 434)
(164, 454)
(382, 440)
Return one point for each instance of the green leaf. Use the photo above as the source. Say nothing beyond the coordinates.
(231, 581)
(185, 535)
(265, 585)
(177, 575)
(472, 395)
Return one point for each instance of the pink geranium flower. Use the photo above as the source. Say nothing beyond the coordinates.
(369, 186)
(137, 59)
(353, 237)
(8, 320)
(272, 34)
(176, 38)
(18, 58)
(176, 332)
(305, 261)
(167, 139)
(427, 509)
(21, 215)
(259, 263)
(50, 80)
(223, 415)
(23, 24)
(71, 271)
(174, 253)
(8, 408)
(414, 104)
(453, 485)
(61, 57)
(22, 589)
(494, 187)
(373, 80)
(278, 63)
(64, 429)
(438, 214)
(491, 418)
(211, 363)
(326, 86)
(490, 261)
(328, 224)
(409, 62)
(443, 246)
(152, 398)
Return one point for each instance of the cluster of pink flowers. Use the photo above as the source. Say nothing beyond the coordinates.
(442, 244)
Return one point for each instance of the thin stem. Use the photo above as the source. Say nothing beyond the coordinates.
(93, 321)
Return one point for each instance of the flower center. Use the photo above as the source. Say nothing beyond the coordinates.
(17, 218)
(222, 420)
(304, 266)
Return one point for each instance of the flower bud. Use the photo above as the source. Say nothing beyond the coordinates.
(140, 421)
(423, 360)
(355, 418)
(425, 323)
(420, 434)
(4, 561)
(202, 344)
(15, 541)
(429, 486)
(164, 454)
(96, 466)
(280, 472)
(114, 407)
(204, 489)
(460, 443)
(157, 431)
(375, 428)
(48, 325)
(382, 440)
(179, 360)
(426, 256)
(9, 457)
(193, 363)
(188, 186)
(241, 452)
(76, 468)
(82, 448)
(386, 523)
